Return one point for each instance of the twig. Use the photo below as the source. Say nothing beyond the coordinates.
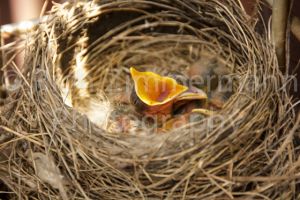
(3, 93)
(279, 26)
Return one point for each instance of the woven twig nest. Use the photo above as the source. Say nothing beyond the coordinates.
(51, 150)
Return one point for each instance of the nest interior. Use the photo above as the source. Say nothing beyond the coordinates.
(49, 149)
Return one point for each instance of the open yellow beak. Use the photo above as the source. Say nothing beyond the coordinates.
(153, 89)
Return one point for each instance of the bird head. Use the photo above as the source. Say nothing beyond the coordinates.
(154, 93)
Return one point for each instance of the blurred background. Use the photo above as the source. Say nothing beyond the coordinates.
(12, 11)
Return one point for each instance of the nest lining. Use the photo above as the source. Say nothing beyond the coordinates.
(240, 153)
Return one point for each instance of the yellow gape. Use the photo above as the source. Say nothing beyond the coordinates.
(153, 89)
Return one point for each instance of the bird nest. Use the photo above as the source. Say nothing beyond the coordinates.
(82, 54)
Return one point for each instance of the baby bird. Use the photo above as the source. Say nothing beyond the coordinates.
(166, 102)
(160, 95)
(211, 74)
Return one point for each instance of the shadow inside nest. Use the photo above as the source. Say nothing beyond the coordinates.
(208, 83)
